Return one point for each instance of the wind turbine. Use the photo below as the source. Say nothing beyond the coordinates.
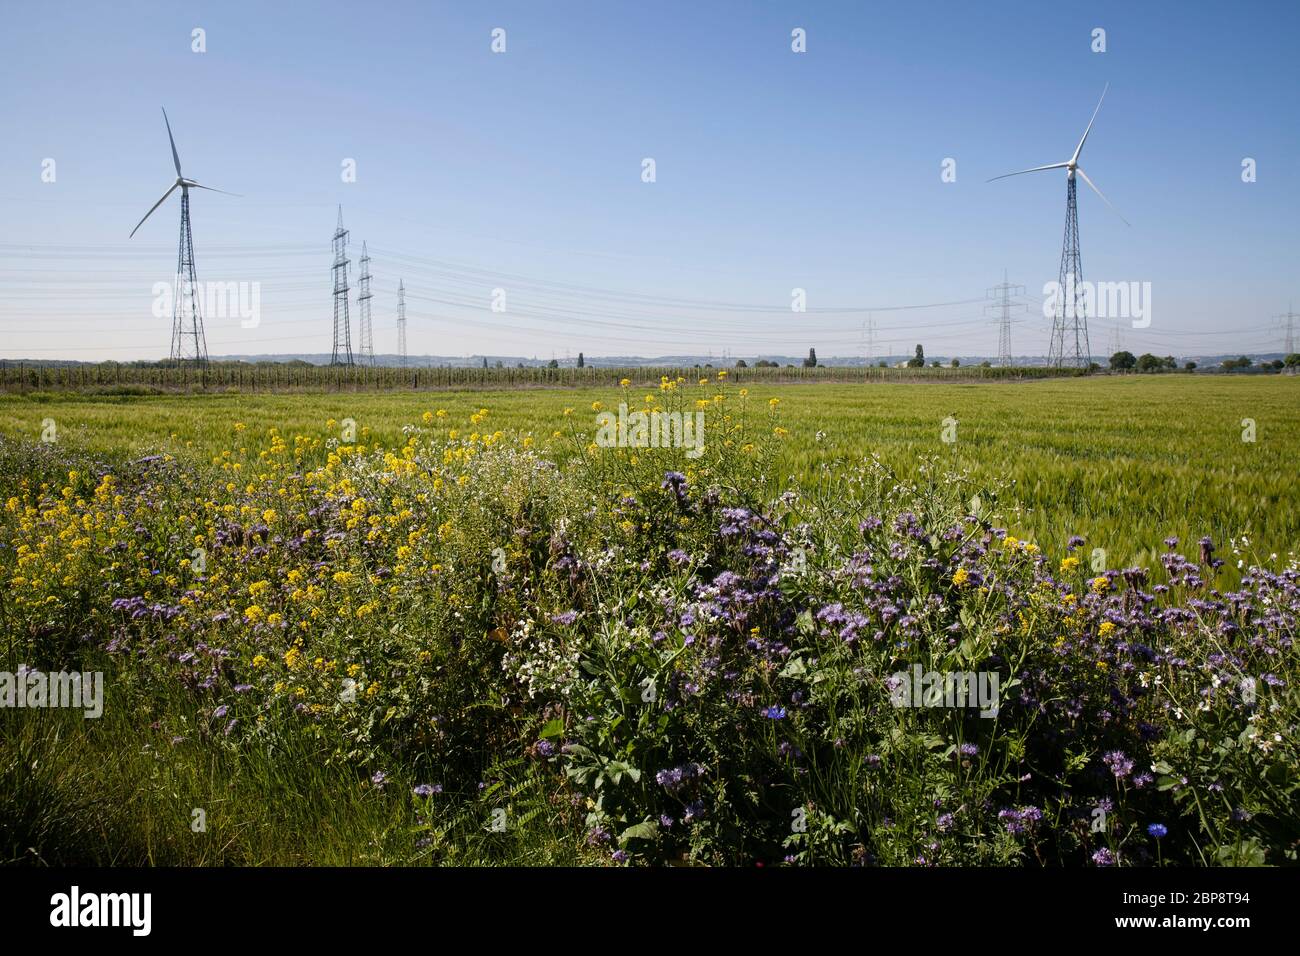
(1071, 320)
(188, 343)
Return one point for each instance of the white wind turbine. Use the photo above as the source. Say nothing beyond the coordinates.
(188, 342)
(1070, 319)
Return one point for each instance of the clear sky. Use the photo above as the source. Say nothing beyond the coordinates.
(522, 170)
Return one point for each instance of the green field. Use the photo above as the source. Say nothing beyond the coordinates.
(450, 627)
(1123, 461)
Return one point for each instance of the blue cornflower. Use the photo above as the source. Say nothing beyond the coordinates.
(774, 712)
(1157, 830)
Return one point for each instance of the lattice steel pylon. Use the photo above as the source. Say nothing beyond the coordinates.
(1001, 294)
(342, 352)
(366, 349)
(1289, 318)
(401, 323)
(1070, 347)
(188, 341)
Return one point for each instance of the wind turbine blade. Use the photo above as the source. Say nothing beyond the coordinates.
(1078, 149)
(175, 159)
(1080, 171)
(211, 189)
(1034, 170)
(155, 206)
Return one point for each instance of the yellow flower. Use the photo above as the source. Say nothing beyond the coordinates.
(1106, 629)
(960, 577)
(292, 657)
(259, 661)
(343, 577)
(773, 402)
(1069, 564)
(596, 406)
(1100, 583)
(625, 382)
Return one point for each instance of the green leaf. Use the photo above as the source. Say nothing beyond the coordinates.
(647, 830)
(554, 728)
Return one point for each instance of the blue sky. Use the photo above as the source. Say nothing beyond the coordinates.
(522, 171)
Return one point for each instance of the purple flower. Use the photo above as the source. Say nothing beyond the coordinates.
(564, 618)
(1104, 857)
(619, 856)
(774, 712)
(545, 748)
(379, 779)
(423, 790)
(1158, 830)
(1120, 765)
(969, 750)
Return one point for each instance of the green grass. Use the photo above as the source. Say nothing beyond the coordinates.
(1124, 461)
(120, 791)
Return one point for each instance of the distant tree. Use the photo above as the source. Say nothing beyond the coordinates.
(1292, 360)
(766, 363)
(811, 360)
(955, 363)
(740, 363)
(986, 364)
(1276, 365)
(553, 364)
(1122, 361)
(934, 364)
(581, 362)
(882, 364)
(918, 360)
(1190, 366)
(1148, 362)
(485, 361)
